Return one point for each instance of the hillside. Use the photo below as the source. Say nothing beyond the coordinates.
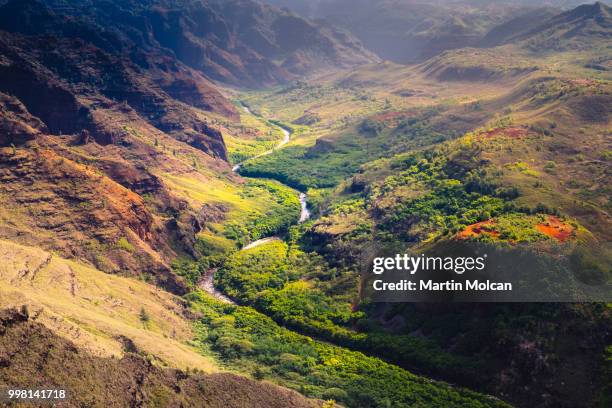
(503, 33)
(241, 42)
(99, 313)
(33, 356)
(503, 149)
(84, 163)
(577, 29)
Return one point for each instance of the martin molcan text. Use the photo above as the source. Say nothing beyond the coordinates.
(450, 285)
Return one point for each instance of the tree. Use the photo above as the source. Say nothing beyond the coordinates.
(258, 374)
(144, 317)
(371, 127)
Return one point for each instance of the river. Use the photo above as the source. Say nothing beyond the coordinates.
(207, 281)
(305, 213)
(207, 284)
(286, 139)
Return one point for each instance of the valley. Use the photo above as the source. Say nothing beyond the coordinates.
(190, 191)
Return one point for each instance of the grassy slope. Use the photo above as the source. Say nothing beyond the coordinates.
(94, 309)
(251, 137)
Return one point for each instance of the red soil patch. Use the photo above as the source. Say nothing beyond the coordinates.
(556, 229)
(511, 132)
(478, 229)
(582, 82)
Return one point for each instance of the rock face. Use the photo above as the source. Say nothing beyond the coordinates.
(63, 70)
(73, 209)
(73, 167)
(17, 126)
(241, 42)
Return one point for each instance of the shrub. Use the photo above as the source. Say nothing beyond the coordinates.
(371, 127)
(124, 244)
(550, 167)
(336, 394)
(144, 317)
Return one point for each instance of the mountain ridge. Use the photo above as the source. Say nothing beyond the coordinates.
(241, 49)
(574, 29)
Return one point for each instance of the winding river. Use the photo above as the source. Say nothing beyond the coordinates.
(286, 139)
(207, 282)
(305, 213)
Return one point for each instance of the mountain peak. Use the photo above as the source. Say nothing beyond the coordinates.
(583, 27)
(594, 10)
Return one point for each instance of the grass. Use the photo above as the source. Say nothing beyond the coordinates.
(92, 308)
(247, 205)
(252, 137)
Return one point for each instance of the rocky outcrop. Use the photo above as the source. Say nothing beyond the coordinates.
(17, 126)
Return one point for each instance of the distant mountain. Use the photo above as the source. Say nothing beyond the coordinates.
(240, 42)
(312, 8)
(411, 31)
(585, 26)
(300, 46)
(504, 32)
(306, 8)
(408, 31)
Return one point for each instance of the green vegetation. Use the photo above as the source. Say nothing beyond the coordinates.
(241, 212)
(329, 162)
(282, 212)
(293, 166)
(449, 190)
(247, 340)
(304, 292)
(253, 136)
(144, 317)
(124, 244)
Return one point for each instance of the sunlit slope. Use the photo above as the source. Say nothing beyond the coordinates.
(41, 359)
(99, 312)
(252, 136)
